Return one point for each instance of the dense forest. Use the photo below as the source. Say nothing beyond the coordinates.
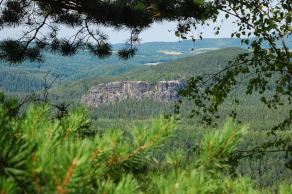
(130, 114)
(74, 153)
(176, 69)
(83, 66)
(198, 116)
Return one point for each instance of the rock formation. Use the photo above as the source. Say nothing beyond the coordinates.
(163, 91)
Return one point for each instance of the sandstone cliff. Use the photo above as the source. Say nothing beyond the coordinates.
(163, 91)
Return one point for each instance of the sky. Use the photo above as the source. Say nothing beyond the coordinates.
(158, 32)
(165, 32)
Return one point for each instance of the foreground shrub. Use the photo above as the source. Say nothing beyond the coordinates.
(45, 155)
(41, 154)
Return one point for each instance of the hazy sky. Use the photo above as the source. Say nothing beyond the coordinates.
(166, 32)
(157, 32)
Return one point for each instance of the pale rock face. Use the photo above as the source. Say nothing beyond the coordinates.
(163, 91)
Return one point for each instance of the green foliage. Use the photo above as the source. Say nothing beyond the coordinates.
(267, 69)
(44, 154)
(286, 189)
(206, 175)
(40, 154)
(7, 185)
(218, 146)
(265, 157)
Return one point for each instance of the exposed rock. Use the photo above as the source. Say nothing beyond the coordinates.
(163, 91)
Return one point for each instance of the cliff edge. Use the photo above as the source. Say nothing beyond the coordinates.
(163, 91)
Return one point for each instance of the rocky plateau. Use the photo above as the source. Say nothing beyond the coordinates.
(107, 93)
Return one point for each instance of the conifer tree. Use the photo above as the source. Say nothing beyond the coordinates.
(41, 154)
(263, 25)
(43, 18)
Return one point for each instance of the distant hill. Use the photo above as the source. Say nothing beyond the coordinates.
(182, 68)
(208, 62)
(83, 65)
(29, 76)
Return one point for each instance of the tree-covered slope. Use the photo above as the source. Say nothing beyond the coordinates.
(20, 81)
(207, 62)
(83, 65)
(204, 63)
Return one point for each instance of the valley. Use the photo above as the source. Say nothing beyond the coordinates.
(145, 97)
(120, 94)
(83, 65)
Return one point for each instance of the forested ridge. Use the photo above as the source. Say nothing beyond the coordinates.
(83, 65)
(178, 69)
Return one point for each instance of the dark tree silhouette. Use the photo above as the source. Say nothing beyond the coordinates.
(42, 18)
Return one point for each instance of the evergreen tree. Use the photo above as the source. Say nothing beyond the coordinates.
(263, 25)
(42, 16)
(40, 154)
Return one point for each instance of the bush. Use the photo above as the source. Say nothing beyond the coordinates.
(41, 154)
